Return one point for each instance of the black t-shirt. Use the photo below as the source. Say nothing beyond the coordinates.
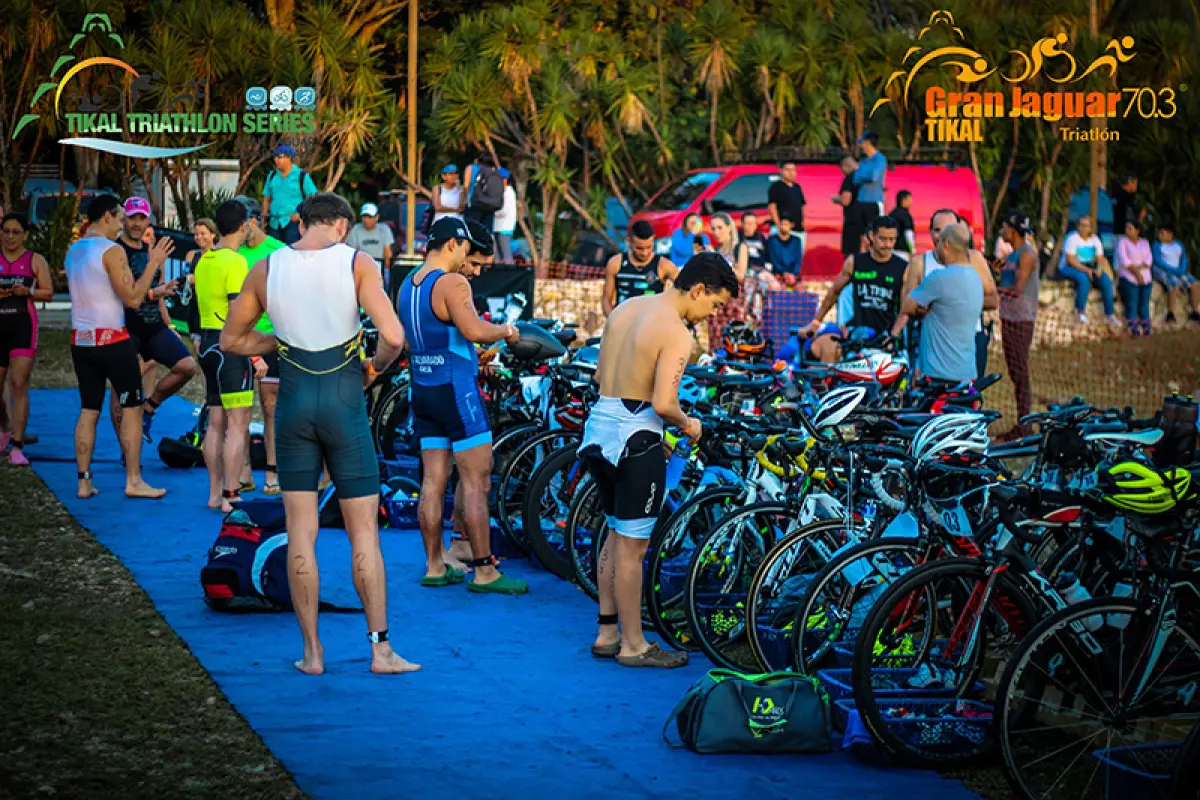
(1125, 209)
(905, 219)
(789, 201)
(756, 249)
(852, 224)
(877, 286)
(146, 319)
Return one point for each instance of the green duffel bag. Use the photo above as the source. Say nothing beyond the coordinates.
(728, 712)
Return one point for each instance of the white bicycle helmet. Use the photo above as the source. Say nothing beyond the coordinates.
(933, 429)
(965, 434)
(837, 405)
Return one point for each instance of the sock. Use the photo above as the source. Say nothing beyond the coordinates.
(153, 407)
(17, 444)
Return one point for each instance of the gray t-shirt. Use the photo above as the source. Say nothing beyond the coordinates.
(954, 297)
(371, 241)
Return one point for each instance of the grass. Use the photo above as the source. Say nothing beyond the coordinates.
(102, 699)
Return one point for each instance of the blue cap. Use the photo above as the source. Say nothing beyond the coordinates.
(285, 150)
(870, 136)
(504, 173)
(449, 169)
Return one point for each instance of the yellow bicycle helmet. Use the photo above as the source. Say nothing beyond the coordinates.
(1135, 486)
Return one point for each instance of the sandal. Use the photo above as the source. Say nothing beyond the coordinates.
(449, 578)
(502, 585)
(247, 486)
(607, 650)
(655, 656)
(271, 486)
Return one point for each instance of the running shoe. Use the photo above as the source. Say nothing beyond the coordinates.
(1081, 319)
(1170, 318)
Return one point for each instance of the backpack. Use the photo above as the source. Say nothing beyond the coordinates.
(247, 568)
(488, 196)
(299, 172)
(727, 712)
(186, 451)
(426, 225)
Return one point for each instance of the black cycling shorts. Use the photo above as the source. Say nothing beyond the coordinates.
(272, 360)
(229, 379)
(631, 493)
(18, 337)
(115, 363)
(161, 345)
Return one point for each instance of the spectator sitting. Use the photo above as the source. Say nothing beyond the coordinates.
(754, 240)
(1133, 254)
(784, 251)
(688, 240)
(1083, 263)
(906, 244)
(1171, 270)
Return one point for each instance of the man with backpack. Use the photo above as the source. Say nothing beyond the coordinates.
(285, 189)
(485, 190)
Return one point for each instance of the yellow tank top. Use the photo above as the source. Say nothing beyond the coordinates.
(219, 274)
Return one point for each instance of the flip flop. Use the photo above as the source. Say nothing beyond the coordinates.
(502, 585)
(246, 486)
(451, 577)
(655, 656)
(271, 487)
(607, 650)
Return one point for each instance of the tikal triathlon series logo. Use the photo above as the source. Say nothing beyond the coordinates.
(957, 116)
(290, 111)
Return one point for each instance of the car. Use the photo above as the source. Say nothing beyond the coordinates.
(42, 205)
(737, 189)
(393, 212)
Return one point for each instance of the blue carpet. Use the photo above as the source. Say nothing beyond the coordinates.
(509, 704)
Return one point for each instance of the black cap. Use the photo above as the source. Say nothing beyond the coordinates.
(448, 228)
(479, 237)
(252, 206)
(1018, 221)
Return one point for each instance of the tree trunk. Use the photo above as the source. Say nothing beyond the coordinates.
(1003, 190)
(587, 167)
(616, 190)
(979, 185)
(332, 183)
(281, 14)
(549, 213)
(574, 203)
(712, 127)
(1047, 186)
(520, 175)
(662, 78)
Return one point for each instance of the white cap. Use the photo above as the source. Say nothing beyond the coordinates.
(370, 210)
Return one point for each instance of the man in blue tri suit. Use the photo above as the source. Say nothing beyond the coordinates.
(437, 309)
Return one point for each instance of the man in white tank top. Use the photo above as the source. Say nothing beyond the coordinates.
(102, 286)
(449, 198)
(312, 292)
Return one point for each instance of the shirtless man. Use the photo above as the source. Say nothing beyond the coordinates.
(640, 271)
(643, 353)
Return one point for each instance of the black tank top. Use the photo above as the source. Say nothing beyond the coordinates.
(877, 287)
(145, 320)
(634, 281)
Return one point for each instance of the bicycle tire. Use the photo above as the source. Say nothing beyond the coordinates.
(585, 515)
(666, 611)
(766, 577)
(504, 447)
(397, 417)
(510, 493)
(562, 464)
(381, 412)
(969, 571)
(1186, 785)
(812, 653)
(729, 651)
(1096, 616)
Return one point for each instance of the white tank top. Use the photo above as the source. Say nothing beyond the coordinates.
(932, 265)
(311, 297)
(449, 197)
(94, 303)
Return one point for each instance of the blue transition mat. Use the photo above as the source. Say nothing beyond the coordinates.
(509, 703)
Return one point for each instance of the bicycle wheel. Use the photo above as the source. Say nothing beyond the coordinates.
(544, 516)
(1077, 708)
(382, 414)
(937, 616)
(1187, 775)
(586, 527)
(671, 552)
(841, 595)
(719, 577)
(782, 580)
(504, 447)
(514, 480)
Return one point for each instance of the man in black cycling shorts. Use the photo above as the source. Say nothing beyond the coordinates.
(149, 324)
(643, 353)
(102, 287)
(313, 291)
(441, 325)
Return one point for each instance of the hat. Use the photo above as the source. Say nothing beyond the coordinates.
(285, 150)
(448, 228)
(369, 210)
(137, 205)
(479, 237)
(504, 173)
(252, 206)
(869, 136)
(1018, 221)
(449, 169)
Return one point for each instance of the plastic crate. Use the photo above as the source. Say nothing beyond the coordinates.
(776, 644)
(1133, 773)
(399, 467)
(843, 654)
(401, 511)
(887, 683)
(961, 728)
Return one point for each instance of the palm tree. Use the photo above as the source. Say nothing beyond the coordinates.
(717, 30)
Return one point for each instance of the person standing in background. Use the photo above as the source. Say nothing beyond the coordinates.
(869, 176)
(853, 231)
(506, 220)
(906, 244)
(756, 243)
(372, 238)
(285, 189)
(205, 234)
(1135, 283)
(485, 190)
(449, 199)
(1019, 283)
(1126, 205)
(786, 198)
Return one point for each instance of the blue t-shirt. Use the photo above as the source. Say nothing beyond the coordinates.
(869, 178)
(785, 256)
(682, 244)
(954, 297)
(286, 194)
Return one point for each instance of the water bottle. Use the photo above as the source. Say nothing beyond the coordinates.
(1073, 592)
(677, 462)
(515, 307)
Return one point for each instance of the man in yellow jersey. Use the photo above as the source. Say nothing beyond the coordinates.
(230, 378)
(257, 247)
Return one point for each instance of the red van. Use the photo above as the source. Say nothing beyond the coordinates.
(738, 189)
